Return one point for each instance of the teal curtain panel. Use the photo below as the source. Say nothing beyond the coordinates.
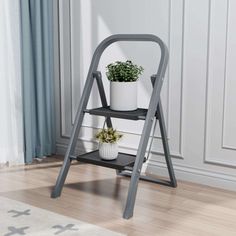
(38, 78)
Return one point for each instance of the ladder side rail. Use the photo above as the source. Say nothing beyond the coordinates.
(142, 147)
(154, 100)
(73, 139)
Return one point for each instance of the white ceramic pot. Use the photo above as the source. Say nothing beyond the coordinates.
(108, 151)
(123, 96)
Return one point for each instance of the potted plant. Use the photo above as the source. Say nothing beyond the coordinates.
(108, 147)
(123, 78)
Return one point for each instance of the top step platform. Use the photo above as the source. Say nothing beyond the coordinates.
(139, 114)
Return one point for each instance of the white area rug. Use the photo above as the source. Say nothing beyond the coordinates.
(17, 218)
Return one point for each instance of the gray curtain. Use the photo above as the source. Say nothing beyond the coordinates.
(37, 74)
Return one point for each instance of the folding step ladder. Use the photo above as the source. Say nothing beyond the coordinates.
(125, 164)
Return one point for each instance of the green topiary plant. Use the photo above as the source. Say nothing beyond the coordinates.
(109, 135)
(123, 71)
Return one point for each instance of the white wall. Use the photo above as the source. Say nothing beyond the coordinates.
(199, 91)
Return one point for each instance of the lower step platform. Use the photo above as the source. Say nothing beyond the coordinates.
(123, 160)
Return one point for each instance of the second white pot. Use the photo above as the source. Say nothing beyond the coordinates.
(108, 151)
(123, 96)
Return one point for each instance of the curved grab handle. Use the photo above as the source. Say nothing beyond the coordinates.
(131, 37)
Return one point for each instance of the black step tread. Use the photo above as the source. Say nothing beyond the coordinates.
(123, 160)
(139, 114)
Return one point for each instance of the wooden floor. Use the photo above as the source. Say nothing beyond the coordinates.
(95, 195)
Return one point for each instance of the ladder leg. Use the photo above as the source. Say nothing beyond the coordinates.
(61, 178)
(128, 212)
(137, 168)
(161, 119)
(129, 208)
(165, 145)
(75, 131)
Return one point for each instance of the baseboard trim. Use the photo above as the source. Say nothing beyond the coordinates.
(195, 175)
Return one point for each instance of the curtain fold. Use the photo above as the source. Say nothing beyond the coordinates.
(38, 78)
(11, 124)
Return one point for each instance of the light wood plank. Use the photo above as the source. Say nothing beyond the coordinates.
(95, 195)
